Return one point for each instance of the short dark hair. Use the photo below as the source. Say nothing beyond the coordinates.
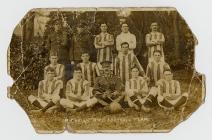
(106, 62)
(53, 53)
(103, 23)
(135, 67)
(165, 70)
(85, 52)
(157, 51)
(50, 69)
(77, 68)
(154, 23)
(124, 23)
(123, 43)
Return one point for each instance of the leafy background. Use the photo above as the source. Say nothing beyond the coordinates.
(28, 55)
(30, 49)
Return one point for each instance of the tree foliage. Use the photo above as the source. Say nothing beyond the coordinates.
(179, 44)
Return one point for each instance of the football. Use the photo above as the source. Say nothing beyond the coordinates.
(115, 107)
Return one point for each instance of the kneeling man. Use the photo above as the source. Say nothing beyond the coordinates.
(170, 96)
(78, 92)
(49, 91)
(137, 92)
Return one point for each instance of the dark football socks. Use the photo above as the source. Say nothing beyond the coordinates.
(50, 104)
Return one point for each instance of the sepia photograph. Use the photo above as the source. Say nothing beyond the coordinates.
(92, 70)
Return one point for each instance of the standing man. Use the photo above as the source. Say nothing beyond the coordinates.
(57, 41)
(89, 69)
(49, 91)
(104, 43)
(125, 61)
(81, 41)
(170, 95)
(156, 68)
(59, 68)
(77, 92)
(125, 36)
(155, 41)
(108, 88)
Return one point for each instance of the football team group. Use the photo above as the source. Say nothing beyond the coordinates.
(113, 82)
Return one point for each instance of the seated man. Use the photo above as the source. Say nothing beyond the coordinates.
(108, 88)
(89, 69)
(170, 96)
(77, 92)
(137, 92)
(59, 68)
(48, 92)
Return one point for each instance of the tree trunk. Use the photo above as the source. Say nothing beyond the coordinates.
(176, 35)
(28, 27)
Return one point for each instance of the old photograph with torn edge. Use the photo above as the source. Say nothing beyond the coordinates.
(90, 70)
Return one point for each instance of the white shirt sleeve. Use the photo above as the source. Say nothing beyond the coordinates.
(132, 43)
(118, 43)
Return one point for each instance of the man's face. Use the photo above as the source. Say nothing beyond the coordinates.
(154, 27)
(50, 75)
(125, 48)
(103, 27)
(85, 57)
(78, 74)
(53, 59)
(168, 77)
(106, 69)
(124, 28)
(135, 73)
(157, 56)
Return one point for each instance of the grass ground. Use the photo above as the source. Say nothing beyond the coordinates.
(99, 120)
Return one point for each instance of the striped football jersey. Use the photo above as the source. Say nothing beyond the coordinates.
(123, 65)
(155, 37)
(59, 69)
(49, 87)
(136, 84)
(74, 87)
(155, 71)
(169, 87)
(104, 43)
(89, 71)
